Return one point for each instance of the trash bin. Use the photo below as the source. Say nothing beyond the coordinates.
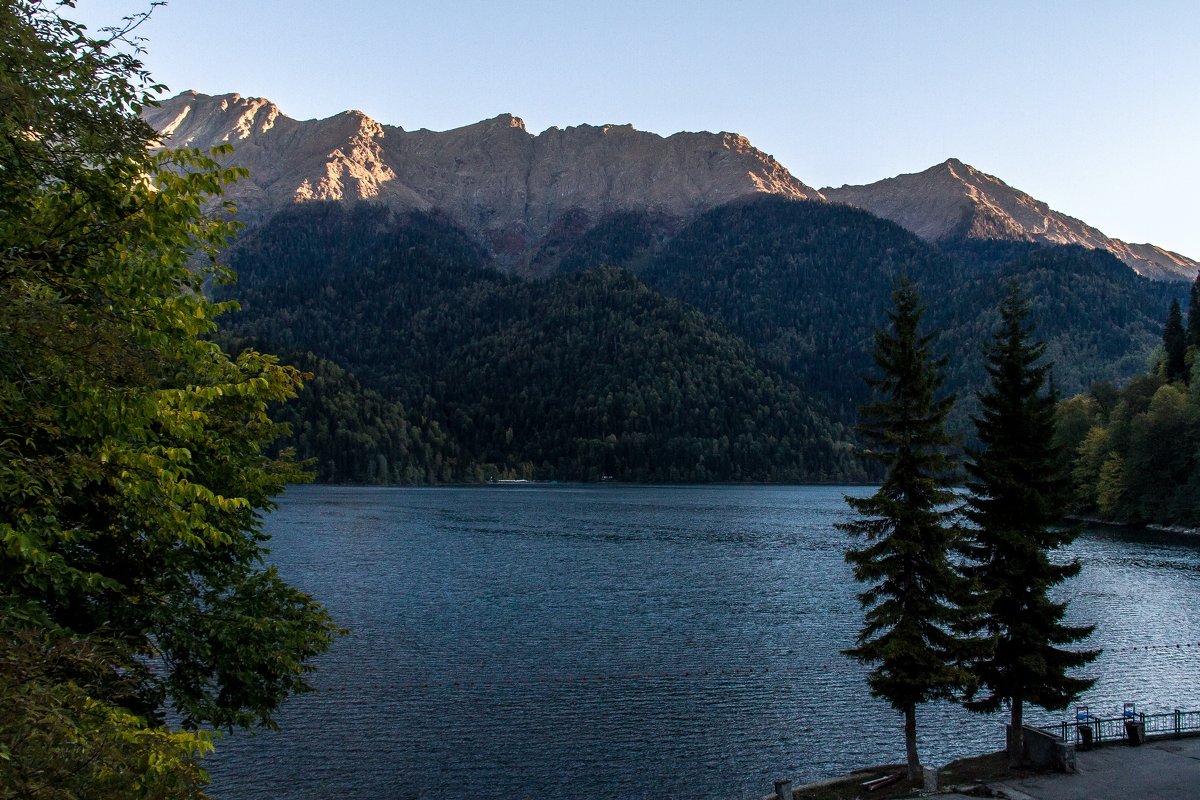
(1085, 737)
(1135, 731)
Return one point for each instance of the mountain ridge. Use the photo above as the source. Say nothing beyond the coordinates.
(492, 177)
(517, 191)
(954, 201)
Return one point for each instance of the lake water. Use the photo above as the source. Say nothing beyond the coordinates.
(630, 642)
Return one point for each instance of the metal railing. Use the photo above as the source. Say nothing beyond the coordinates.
(1087, 729)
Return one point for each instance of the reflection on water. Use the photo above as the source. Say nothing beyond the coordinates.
(626, 642)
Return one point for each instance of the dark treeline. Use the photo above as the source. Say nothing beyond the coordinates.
(806, 284)
(1132, 453)
(476, 375)
(346, 432)
(734, 354)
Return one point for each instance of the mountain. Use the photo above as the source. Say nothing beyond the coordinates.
(703, 314)
(528, 197)
(953, 201)
(807, 283)
(733, 350)
(493, 178)
(469, 373)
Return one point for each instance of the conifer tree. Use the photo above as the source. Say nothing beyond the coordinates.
(1017, 496)
(907, 526)
(1175, 343)
(1193, 317)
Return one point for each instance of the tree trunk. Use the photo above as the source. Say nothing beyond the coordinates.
(1016, 742)
(910, 742)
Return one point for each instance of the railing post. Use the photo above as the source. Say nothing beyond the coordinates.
(1178, 725)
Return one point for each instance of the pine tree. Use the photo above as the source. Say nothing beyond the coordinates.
(1017, 494)
(907, 526)
(1175, 343)
(1193, 317)
(1193, 325)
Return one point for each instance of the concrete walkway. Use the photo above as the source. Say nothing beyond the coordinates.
(1162, 769)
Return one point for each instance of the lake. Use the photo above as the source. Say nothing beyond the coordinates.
(635, 641)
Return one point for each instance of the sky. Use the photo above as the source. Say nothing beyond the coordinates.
(1089, 105)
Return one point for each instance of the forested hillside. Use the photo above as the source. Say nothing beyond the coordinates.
(1100, 321)
(346, 432)
(806, 283)
(1133, 453)
(730, 349)
(577, 377)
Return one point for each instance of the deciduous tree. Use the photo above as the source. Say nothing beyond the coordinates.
(132, 466)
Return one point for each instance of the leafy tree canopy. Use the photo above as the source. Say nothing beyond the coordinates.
(132, 466)
(1132, 454)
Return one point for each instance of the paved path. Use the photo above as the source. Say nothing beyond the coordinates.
(1163, 769)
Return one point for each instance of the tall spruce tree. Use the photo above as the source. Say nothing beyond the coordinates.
(1193, 316)
(1017, 496)
(908, 526)
(1175, 343)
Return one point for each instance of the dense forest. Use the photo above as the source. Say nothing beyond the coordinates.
(1132, 453)
(806, 284)
(727, 349)
(346, 432)
(471, 375)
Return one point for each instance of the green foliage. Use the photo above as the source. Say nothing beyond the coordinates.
(386, 298)
(803, 282)
(1193, 317)
(132, 466)
(1098, 319)
(355, 435)
(362, 287)
(1138, 461)
(1015, 504)
(596, 374)
(910, 603)
(61, 735)
(622, 239)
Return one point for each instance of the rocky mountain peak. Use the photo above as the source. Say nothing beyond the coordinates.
(191, 118)
(954, 201)
(493, 177)
(513, 189)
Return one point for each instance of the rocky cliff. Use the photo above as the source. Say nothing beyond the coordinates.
(954, 201)
(493, 177)
(519, 192)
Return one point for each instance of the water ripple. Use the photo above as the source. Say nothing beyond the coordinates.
(629, 642)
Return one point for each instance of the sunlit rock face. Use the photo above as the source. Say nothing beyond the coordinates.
(954, 201)
(515, 190)
(493, 177)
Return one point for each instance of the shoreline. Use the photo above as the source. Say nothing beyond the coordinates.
(1133, 526)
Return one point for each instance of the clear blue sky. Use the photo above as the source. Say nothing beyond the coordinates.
(1090, 105)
